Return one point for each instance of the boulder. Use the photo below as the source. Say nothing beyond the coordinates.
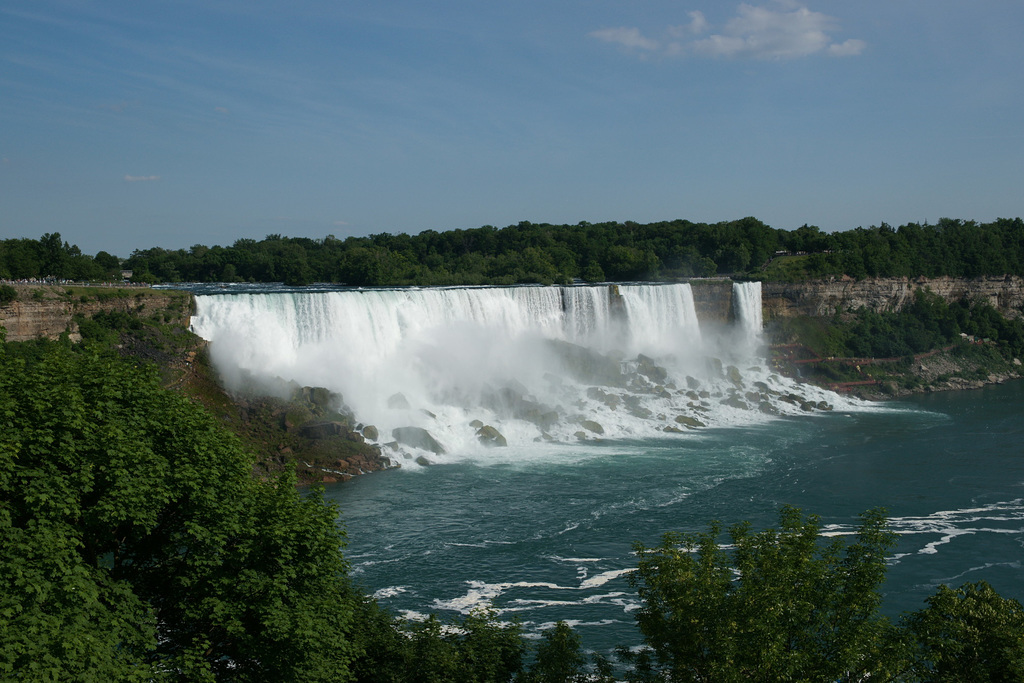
(417, 437)
(732, 373)
(592, 426)
(735, 402)
(322, 430)
(297, 415)
(398, 402)
(647, 367)
(371, 433)
(689, 422)
(489, 436)
(423, 462)
(587, 366)
(318, 396)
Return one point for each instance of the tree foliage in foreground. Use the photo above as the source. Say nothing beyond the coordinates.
(779, 606)
(137, 545)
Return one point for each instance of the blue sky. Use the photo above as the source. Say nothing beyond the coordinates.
(127, 124)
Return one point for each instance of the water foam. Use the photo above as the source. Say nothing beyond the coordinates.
(539, 364)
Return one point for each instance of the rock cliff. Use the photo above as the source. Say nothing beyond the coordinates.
(50, 311)
(825, 298)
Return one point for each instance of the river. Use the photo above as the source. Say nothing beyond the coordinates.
(545, 533)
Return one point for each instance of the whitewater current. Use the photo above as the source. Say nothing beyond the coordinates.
(532, 364)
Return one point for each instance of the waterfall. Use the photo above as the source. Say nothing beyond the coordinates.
(746, 297)
(550, 364)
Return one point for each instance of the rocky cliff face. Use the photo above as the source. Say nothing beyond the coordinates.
(712, 299)
(51, 312)
(825, 298)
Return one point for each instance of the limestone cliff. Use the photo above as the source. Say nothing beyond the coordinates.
(50, 311)
(825, 298)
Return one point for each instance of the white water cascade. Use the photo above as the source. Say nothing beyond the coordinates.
(538, 364)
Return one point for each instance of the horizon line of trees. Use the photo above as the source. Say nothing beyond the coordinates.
(545, 254)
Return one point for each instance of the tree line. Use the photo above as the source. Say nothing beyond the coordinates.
(545, 253)
(136, 545)
(50, 257)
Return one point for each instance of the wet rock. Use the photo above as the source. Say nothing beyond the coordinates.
(823, 405)
(476, 424)
(417, 437)
(587, 366)
(767, 408)
(672, 429)
(297, 415)
(323, 430)
(592, 426)
(649, 368)
(319, 396)
(507, 401)
(423, 461)
(689, 422)
(489, 436)
(581, 435)
(692, 382)
(732, 373)
(371, 433)
(398, 402)
(735, 402)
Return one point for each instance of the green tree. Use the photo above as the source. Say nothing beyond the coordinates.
(780, 606)
(560, 657)
(136, 544)
(969, 635)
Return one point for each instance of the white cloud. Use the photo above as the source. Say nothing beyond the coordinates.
(627, 37)
(764, 33)
(698, 24)
(849, 48)
(141, 178)
(781, 30)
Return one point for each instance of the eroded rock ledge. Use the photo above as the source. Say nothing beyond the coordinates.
(823, 298)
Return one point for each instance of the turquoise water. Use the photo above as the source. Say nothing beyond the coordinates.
(545, 534)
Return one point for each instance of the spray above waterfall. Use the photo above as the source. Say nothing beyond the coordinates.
(450, 371)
